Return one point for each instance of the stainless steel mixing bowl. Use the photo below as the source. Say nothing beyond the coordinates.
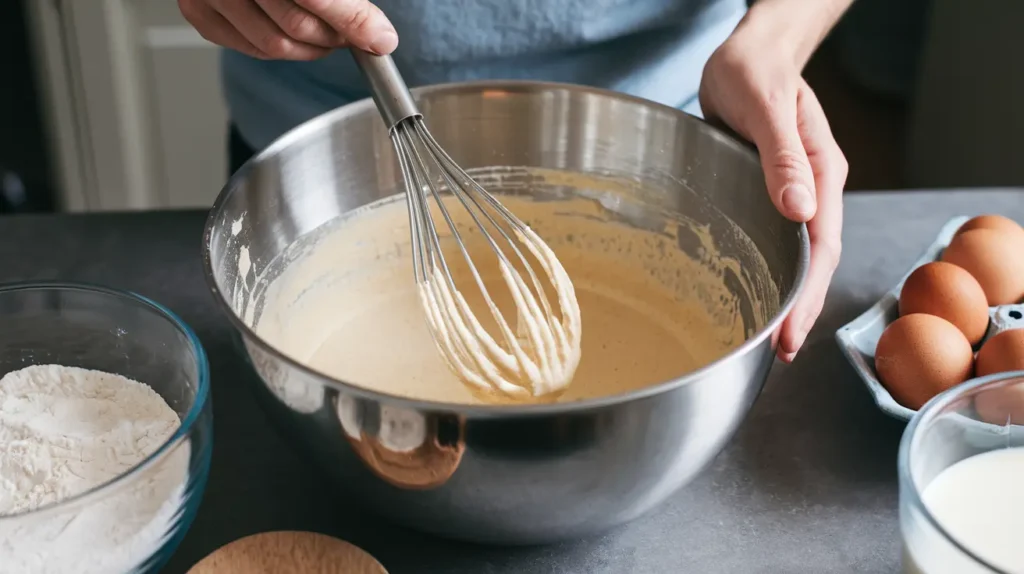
(503, 474)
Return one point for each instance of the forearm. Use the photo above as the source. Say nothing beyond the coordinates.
(797, 26)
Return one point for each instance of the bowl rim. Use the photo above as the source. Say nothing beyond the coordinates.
(911, 438)
(325, 119)
(187, 422)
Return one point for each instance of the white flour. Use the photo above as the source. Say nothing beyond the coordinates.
(63, 431)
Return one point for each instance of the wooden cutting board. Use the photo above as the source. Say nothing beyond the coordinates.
(288, 552)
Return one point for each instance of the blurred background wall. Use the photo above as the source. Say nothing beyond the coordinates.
(115, 104)
(24, 159)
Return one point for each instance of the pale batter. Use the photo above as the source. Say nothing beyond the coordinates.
(540, 356)
(347, 304)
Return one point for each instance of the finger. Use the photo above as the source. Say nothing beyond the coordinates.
(215, 28)
(787, 171)
(360, 22)
(825, 230)
(783, 356)
(808, 306)
(300, 24)
(262, 32)
(827, 161)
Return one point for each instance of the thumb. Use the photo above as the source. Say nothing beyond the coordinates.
(787, 171)
(359, 22)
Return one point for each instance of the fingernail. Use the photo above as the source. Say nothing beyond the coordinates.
(797, 199)
(384, 42)
(798, 341)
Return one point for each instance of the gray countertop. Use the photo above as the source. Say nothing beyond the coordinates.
(807, 486)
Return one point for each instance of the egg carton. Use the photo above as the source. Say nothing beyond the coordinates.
(859, 337)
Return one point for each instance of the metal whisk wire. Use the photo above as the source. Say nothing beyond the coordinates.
(427, 170)
(421, 157)
(454, 178)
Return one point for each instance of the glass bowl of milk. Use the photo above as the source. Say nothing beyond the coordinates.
(961, 475)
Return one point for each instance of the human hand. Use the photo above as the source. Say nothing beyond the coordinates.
(291, 29)
(754, 85)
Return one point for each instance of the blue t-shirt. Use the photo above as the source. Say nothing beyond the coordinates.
(655, 49)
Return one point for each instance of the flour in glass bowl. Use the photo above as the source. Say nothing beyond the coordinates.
(64, 431)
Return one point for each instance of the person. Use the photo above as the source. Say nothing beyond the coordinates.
(738, 65)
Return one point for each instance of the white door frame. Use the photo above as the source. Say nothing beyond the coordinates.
(88, 54)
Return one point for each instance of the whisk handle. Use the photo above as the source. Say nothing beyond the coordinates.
(387, 87)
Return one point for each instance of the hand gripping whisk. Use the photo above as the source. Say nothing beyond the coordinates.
(541, 356)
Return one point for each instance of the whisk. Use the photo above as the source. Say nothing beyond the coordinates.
(541, 356)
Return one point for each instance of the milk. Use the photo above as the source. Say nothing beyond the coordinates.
(979, 501)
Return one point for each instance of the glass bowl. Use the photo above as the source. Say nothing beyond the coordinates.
(954, 426)
(122, 333)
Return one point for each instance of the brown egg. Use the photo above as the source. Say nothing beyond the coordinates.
(993, 257)
(945, 290)
(918, 356)
(994, 222)
(1002, 353)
